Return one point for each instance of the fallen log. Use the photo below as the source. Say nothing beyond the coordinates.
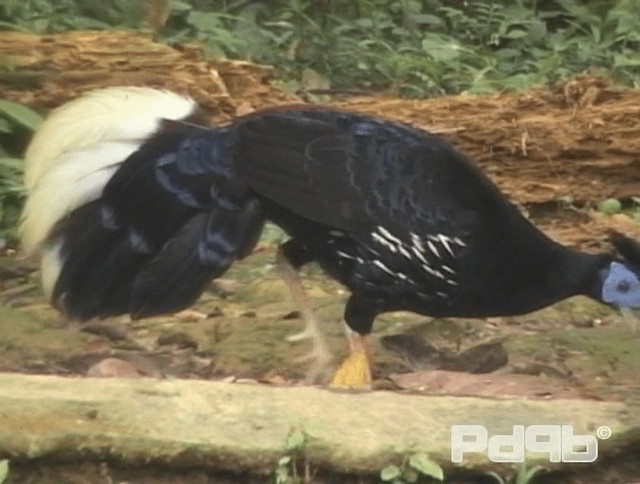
(244, 427)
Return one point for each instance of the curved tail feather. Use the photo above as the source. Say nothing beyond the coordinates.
(79, 147)
(136, 208)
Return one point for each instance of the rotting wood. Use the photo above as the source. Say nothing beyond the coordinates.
(57, 68)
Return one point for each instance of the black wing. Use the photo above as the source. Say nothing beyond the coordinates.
(417, 225)
(355, 173)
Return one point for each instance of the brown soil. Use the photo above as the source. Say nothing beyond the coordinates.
(554, 151)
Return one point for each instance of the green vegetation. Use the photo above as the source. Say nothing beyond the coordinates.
(16, 124)
(418, 468)
(525, 475)
(611, 206)
(287, 470)
(4, 470)
(415, 48)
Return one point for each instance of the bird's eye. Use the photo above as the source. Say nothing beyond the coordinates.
(623, 287)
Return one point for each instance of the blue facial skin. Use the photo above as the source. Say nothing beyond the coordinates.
(621, 287)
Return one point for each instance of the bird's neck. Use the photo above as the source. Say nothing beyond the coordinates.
(563, 273)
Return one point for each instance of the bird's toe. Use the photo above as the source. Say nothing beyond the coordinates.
(354, 372)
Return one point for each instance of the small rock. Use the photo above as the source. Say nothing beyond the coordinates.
(109, 331)
(190, 315)
(419, 354)
(292, 315)
(224, 287)
(113, 367)
(273, 378)
(216, 313)
(92, 414)
(179, 339)
(482, 358)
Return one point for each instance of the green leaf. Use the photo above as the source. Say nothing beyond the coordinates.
(525, 475)
(9, 163)
(281, 475)
(4, 470)
(20, 114)
(178, 6)
(5, 126)
(295, 440)
(410, 475)
(312, 79)
(516, 34)
(426, 466)
(440, 50)
(10, 216)
(626, 60)
(204, 21)
(609, 206)
(425, 18)
(390, 473)
(499, 479)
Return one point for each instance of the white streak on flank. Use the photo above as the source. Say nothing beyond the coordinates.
(78, 147)
(442, 294)
(389, 235)
(415, 239)
(404, 252)
(433, 249)
(459, 242)
(419, 255)
(340, 253)
(381, 240)
(345, 255)
(433, 272)
(418, 248)
(448, 269)
(336, 233)
(451, 282)
(445, 242)
(379, 264)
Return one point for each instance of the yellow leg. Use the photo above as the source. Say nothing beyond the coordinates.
(355, 371)
(320, 356)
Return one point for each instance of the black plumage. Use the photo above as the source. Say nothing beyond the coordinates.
(168, 222)
(402, 219)
(394, 213)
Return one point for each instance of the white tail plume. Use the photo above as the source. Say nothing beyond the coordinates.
(80, 146)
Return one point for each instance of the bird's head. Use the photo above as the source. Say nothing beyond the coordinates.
(621, 277)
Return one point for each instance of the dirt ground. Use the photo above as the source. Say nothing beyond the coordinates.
(556, 152)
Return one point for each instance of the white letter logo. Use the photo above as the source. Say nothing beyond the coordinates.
(558, 442)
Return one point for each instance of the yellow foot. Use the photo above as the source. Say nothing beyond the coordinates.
(354, 372)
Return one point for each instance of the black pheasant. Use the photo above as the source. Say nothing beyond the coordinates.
(147, 204)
